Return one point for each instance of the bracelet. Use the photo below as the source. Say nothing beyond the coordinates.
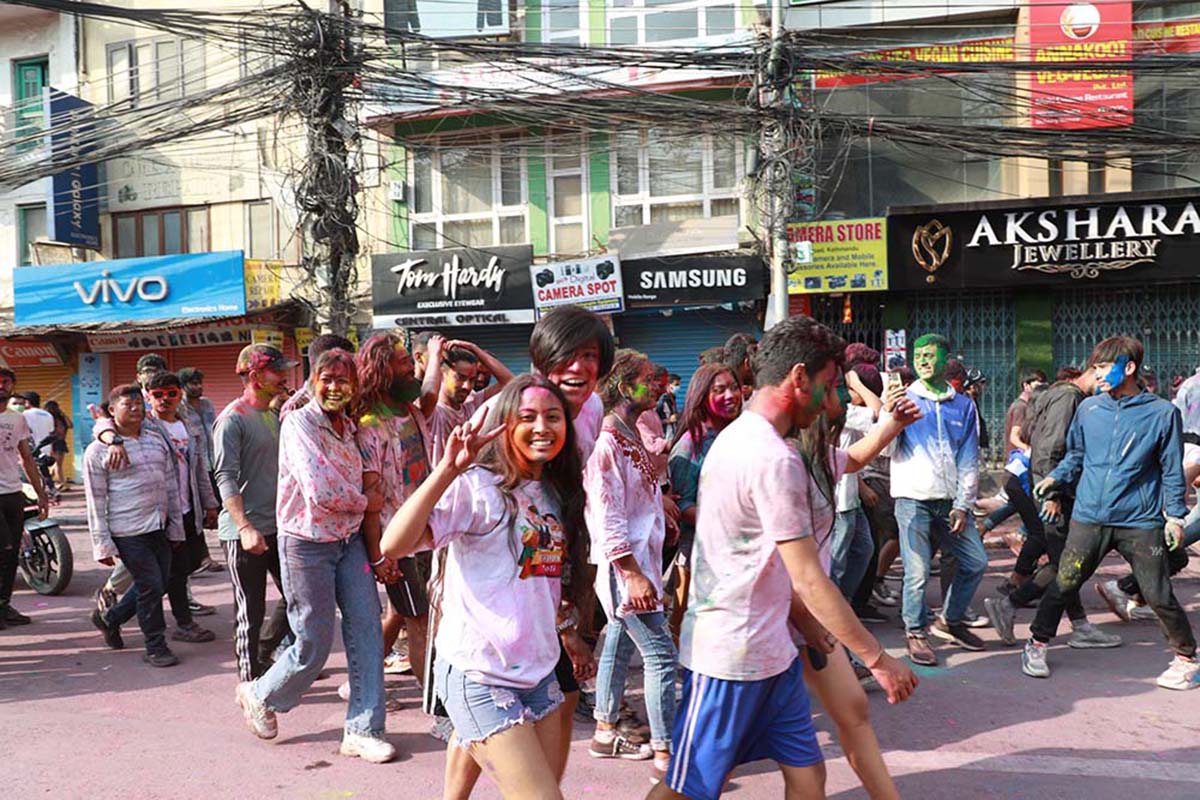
(875, 661)
(380, 561)
(569, 621)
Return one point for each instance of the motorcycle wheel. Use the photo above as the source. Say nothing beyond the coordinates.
(49, 566)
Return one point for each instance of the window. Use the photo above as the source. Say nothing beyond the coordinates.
(30, 77)
(32, 225)
(261, 238)
(467, 195)
(147, 70)
(634, 22)
(567, 198)
(665, 177)
(564, 21)
(161, 232)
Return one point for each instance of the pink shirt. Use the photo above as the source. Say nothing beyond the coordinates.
(658, 447)
(320, 495)
(395, 448)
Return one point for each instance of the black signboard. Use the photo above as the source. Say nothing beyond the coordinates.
(1111, 239)
(462, 286)
(697, 280)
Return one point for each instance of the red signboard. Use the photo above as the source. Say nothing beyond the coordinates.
(29, 354)
(1171, 36)
(996, 50)
(1067, 98)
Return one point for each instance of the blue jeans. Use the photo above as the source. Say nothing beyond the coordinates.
(147, 556)
(850, 551)
(998, 516)
(649, 634)
(318, 579)
(921, 523)
(479, 712)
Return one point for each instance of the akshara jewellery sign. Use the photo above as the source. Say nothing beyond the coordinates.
(1120, 239)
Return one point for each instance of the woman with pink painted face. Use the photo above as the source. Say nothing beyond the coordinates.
(714, 399)
(506, 502)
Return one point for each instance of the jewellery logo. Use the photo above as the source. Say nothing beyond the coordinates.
(1079, 21)
(931, 246)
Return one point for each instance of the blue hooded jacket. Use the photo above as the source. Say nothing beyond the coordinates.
(1127, 456)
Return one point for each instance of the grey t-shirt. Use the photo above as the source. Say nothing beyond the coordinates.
(246, 442)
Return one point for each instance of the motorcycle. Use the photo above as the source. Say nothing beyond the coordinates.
(45, 556)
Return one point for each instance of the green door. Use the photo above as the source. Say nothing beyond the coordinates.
(31, 77)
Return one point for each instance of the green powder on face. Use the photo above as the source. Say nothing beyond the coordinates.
(640, 391)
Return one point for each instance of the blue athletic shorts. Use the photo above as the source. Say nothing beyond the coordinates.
(721, 724)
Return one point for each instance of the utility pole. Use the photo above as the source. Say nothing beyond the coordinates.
(328, 61)
(774, 152)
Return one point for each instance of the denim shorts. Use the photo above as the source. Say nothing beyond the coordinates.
(479, 712)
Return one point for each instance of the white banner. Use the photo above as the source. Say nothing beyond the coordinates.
(593, 283)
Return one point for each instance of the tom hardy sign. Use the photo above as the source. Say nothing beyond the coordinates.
(462, 286)
(1119, 239)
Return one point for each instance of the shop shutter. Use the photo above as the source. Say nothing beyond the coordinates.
(866, 316)
(52, 383)
(509, 343)
(676, 341)
(122, 366)
(218, 363)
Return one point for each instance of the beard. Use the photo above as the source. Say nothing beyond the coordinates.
(405, 390)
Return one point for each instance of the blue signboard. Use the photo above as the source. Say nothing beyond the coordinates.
(74, 204)
(128, 289)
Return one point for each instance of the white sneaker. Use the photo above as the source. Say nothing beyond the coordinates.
(1145, 613)
(344, 691)
(1116, 600)
(1180, 674)
(374, 749)
(1033, 660)
(1088, 636)
(259, 718)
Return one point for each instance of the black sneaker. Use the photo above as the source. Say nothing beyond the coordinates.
(871, 615)
(112, 634)
(163, 658)
(200, 610)
(13, 617)
(956, 632)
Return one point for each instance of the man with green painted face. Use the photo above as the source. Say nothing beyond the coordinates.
(935, 478)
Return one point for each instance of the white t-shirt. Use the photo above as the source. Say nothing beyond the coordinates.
(753, 494)
(13, 430)
(41, 425)
(859, 420)
(179, 441)
(502, 582)
(442, 422)
(587, 424)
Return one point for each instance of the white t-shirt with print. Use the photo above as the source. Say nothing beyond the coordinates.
(753, 494)
(179, 441)
(13, 430)
(502, 582)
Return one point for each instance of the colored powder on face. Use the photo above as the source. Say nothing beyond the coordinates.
(817, 399)
(640, 391)
(843, 394)
(1116, 374)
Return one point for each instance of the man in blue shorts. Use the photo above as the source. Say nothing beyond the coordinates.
(756, 561)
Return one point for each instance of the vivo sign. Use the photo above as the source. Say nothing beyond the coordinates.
(163, 287)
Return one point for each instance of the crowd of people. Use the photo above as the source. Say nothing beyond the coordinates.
(532, 532)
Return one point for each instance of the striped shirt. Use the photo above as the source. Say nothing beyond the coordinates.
(140, 498)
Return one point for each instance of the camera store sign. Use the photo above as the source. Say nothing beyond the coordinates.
(463, 286)
(1116, 241)
(594, 283)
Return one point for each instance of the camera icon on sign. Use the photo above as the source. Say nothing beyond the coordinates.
(544, 278)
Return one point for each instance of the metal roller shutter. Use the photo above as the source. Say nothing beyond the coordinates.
(676, 341)
(52, 383)
(218, 363)
(509, 343)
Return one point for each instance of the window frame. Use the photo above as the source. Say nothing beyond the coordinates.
(140, 218)
(577, 36)
(583, 218)
(436, 215)
(639, 10)
(24, 243)
(136, 81)
(274, 248)
(647, 200)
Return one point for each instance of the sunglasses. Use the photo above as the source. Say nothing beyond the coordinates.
(164, 394)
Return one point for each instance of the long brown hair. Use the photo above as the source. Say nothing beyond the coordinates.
(563, 476)
(814, 444)
(374, 365)
(695, 409)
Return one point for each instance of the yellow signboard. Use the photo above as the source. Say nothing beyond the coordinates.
(304, 337)
(262, 284)
(267, 336)
(847, 255)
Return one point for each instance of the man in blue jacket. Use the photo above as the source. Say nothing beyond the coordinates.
(935, 478)
(1125, 449)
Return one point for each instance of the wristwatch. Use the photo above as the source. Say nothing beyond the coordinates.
(117, 439)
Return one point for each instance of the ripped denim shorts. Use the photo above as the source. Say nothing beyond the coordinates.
(479, 712)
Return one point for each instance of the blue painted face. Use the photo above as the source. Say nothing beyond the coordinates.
(1115, 375)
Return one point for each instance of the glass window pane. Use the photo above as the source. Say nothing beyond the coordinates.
(568, 200)
(197, 230)
(727, 207)
(567, 154)
(466, 181)
(675, 212)
(622, 30)
(568, 239)
(666, 26)
(260, 223)
(126, 237)
(172, 233)
(564, 15)
(627, 216)
(627, 162)
(719, 20)
(512, 230)
(33, 227)
(193, 66)
(422, 199)
(676, 166)
(166, 59)
(144, 53)
(468, 233)
(510, 178)
(151, 244)
(424, 236)
(118, 73)
(724, 163)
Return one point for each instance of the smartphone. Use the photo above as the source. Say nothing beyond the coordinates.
(894, 379)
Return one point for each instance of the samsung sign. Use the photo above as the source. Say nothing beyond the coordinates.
(694, 280)
(131, 289)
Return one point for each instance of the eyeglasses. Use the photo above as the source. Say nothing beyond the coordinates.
(164, 394)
